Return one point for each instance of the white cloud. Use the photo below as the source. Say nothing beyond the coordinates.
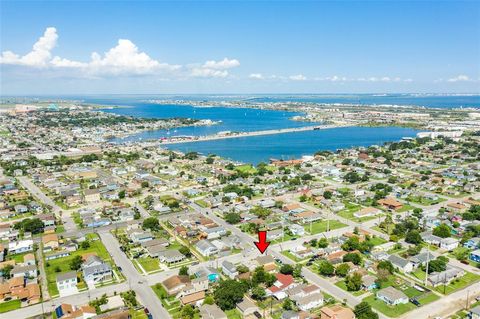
(40, 54)
(256, 76)
(298, 77)
(459, 78)
(221, 65)
(123, 59)
(214, 69)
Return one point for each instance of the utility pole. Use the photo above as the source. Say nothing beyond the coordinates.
(426, 268)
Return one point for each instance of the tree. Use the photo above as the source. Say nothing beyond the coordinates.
(322, 243)
(387, 265)
(6, 271)
(31, 225)
(183, 271)
(287, 304)
(242, 269)
(76, 263)
(187, 312)
(233, 218)
(209, 160)
(354, 282)
(364, 311)
(327, 194)
(325, 268)
(258, 293)
(85, 244)
(228, 293)
(145, 184)
(342, 270)
(353, 257)
(442, 230)
(413, 237)
(151, 223)
(185, 251)
(286, 269)
(121, 194)
(209, 300)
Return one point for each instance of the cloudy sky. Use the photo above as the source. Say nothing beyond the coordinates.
(90, 47)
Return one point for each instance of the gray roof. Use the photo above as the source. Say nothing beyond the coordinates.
(204, 245)
(391, 293)
(398, 261)
(212, 312)
(422, 258)
(229, 266)
(67, 276)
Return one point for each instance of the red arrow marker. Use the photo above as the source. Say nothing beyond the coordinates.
(262, 241)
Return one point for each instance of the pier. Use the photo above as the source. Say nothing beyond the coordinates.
(183, 139)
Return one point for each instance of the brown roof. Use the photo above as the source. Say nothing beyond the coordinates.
(28, 257)
(336, 312)
(390, 202)
(175, 281)
(189, 299)
(49, 238)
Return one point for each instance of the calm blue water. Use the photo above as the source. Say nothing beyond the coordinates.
(282, 146)
(233, 119)
(257, 149)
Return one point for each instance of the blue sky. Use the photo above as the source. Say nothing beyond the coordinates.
(239, 47)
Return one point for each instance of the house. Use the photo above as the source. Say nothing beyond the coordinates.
(472, 243)
(95, 270)
(246, 307)
(267, 262)
(60, 254)
(139, 237)
(429, 238)
(174, 284)
(215, 232)
(400, 263)
(212, 312)
(390, 203)
(421, 259)
(310, 301)
(208, 272)
(474, 313)
(171, 256)
(475, 255)
(369, 282)
(19, 247)
(229, 269)
(296, 230)
(206, 248)
(28, 259)
(67, 283)
(278, 288)
(449, 243)
(367, 212)
(290, 314)
(336, 312)
(446, 276)
(392, 296)
(17, 288)
(50, 242)
(29, 271)
(67, 311)
(193, 299)
(154, 251)
(91, 195)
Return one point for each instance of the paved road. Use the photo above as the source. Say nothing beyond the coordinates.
(68, 222)
(145, 294)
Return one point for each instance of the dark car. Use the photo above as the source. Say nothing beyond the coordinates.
(257, 314)
(415, 302)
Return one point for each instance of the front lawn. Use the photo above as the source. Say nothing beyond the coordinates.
(149, 264)
(10, 305)
(341, 284)
(458, 284)
(321, 226)
(390, 311)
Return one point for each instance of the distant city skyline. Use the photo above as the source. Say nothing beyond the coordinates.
(239, 47)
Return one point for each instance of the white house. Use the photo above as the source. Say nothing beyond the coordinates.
(449, 243)
(206, 248)
(392, 296)
(229, 269)
(67, 283)
(22, 246)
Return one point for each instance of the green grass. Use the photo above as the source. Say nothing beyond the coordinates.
(425, 201)
(342, 284)
(247, 168)
(321, 226)
(348, 214)
(10, 305)
(428, 298)
(390, 311)
(96, 246)
(377, 241)
(201, 203)
(149, 264)
(461, 283)
(233, 314)
(405, 208)
(18, 257)
(138, 314)
(288, 254)
(59, 229)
